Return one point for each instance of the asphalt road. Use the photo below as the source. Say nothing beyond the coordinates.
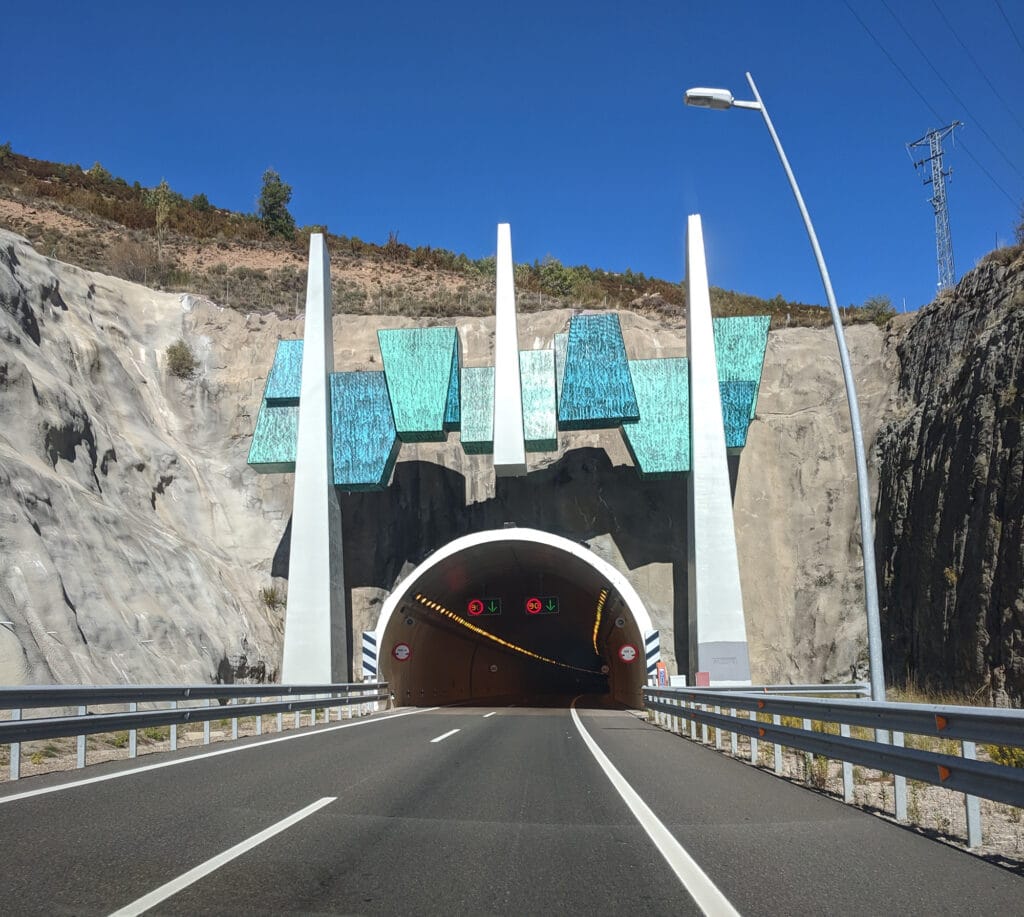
(511, 814)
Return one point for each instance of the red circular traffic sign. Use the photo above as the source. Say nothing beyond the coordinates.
(475, 607)
(533, 606)
(627, 652)
(401, 651)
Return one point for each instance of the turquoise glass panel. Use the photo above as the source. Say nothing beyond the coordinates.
(285, 380)
(478, 410)
(597, 390)
(659, 441)
(540, 427)
(365, 442)
(418, 364)
(740, 344)
(273, 441)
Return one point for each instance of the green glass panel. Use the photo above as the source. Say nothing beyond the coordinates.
(740, 344)
(418, 363)
(478, 410)
(659, 441)
(273, 441)
(537, 372)
(453, 409)
(561, 343)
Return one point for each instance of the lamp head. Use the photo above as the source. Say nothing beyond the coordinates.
(702, 97)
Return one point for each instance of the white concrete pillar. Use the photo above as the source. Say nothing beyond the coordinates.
(509, 446)
(718, 634)
(315, 642)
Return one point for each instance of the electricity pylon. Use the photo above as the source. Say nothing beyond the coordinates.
(943, 241)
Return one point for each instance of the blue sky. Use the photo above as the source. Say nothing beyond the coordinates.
(438, 120)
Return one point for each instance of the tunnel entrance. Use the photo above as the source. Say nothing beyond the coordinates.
(514, 615)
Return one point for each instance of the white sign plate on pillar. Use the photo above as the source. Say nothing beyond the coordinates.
(509, 445)
(718, 633)
(315, 642)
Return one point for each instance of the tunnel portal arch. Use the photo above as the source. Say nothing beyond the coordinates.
(446, 662)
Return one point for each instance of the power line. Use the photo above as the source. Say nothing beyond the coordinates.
(967, 51)
(953, 92)
(1009, 25)
(927, 104)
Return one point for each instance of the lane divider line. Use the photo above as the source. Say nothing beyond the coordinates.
(490, 714)
(210, 754)
(165, 891)
(696, 882)
(441, 738)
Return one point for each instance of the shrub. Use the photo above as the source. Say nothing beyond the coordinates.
(878, 309)
(135, 261)
(180, 360)
(1007, 755)
(272, 597)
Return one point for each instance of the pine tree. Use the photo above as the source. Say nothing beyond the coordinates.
(273, 206)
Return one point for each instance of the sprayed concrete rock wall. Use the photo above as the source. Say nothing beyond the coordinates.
(136, 544)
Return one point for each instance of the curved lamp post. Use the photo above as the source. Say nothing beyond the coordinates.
(721, 99)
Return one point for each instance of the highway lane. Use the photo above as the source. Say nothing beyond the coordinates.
(508, 814)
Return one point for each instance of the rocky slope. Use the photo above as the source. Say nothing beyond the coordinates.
(950, 523)
(135, 541)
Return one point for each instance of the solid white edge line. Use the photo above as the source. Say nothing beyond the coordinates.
(165, 891)
(490, 714)
(700, 887)
(441, 738)
(210, 754)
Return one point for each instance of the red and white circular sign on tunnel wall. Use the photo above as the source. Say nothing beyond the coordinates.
(627, 652)
(401, 651)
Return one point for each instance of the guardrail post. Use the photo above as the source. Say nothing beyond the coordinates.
(703, 726)
(751, 715)
(15, 762)
(80, 757)
(259, 719)
(298, 716)
(844, 731)
(233, 702)
(777, 720)
(718, 731)
(693, 723)
(206, 724)
(808, 757)
(280, 717)
(676, 722)
(971, 805)
(899, 783)
(133, 734)
(174, 729)
(733, 741)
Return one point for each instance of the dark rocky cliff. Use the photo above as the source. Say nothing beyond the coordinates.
(950, 516)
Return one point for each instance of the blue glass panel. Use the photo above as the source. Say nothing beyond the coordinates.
(452, 408)
(659, 441)
(537, 372)
(736, 400)
(365, 441)
(418, 364)
(478, 410)
(285, 380)
(597, 390)
(561, 342)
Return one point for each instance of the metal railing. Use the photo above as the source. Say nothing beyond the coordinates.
(683, 710)
(188, 704)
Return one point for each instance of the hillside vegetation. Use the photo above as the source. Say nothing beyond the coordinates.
(158, 237)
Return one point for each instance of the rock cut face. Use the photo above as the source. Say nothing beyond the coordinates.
(136, 544)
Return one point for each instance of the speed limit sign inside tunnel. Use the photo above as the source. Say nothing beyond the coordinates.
(627, 652)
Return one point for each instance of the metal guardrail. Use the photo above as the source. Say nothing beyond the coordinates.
(962, 773)
(287, 699)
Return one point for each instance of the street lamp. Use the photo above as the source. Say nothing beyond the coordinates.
(720, 99)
